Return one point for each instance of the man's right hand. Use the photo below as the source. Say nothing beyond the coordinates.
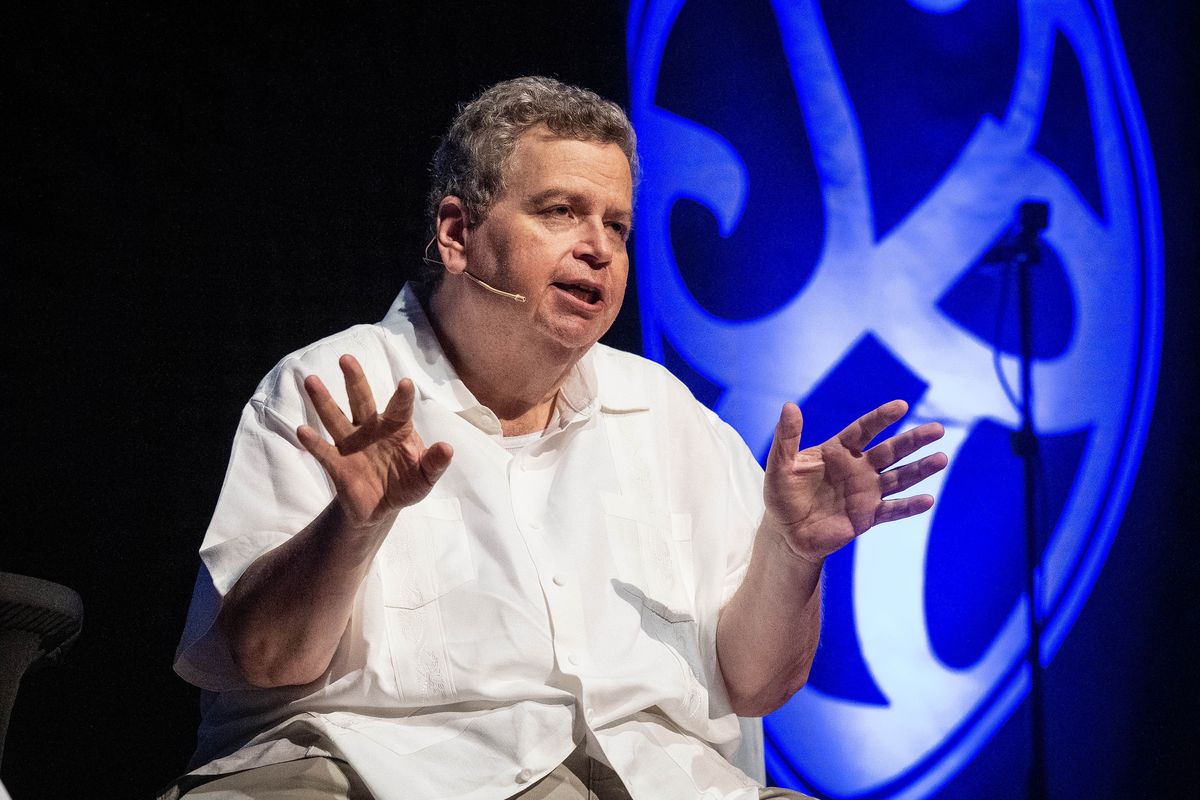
(377, 462)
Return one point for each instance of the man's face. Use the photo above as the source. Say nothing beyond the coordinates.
(557, 235)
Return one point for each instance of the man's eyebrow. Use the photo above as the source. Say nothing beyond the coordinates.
(555, 193)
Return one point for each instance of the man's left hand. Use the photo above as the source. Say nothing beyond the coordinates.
(821, 498)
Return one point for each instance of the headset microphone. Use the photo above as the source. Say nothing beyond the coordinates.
(520, 298)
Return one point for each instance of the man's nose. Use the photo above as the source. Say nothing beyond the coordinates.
(595, 245)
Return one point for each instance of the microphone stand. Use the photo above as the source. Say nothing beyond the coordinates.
(1026, 253)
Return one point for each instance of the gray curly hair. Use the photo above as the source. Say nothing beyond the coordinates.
(471, 161)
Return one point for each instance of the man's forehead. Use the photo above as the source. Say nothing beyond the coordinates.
(549, 159)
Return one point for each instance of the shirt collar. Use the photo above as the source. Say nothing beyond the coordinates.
(594, 384)
(581, 394)
(436, 377)
(620, 391)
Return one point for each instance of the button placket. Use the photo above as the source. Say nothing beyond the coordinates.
(560, 592)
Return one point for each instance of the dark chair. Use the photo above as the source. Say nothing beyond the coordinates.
(38, 622)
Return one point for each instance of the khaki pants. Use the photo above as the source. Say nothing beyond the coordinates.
(579, 777)
(317, 778)
(582, 777)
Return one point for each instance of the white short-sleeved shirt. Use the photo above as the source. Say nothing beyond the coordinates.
(568, 590)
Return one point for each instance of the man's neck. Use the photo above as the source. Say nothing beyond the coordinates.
(517, 380)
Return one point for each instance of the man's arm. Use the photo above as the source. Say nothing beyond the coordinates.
(286, 614)
(817, 501)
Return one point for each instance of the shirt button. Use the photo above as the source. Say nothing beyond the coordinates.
(534, 525)
(559, 580)
(590, 714)
(524, 775)
(573, 659)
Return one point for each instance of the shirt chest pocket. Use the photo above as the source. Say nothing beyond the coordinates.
(652, 551)
(426, 555)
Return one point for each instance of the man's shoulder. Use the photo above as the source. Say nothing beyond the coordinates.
(369, 343)
(330, 348)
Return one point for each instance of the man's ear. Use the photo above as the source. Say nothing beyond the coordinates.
(452, 223)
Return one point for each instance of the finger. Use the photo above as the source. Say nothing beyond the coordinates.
(909, 475)
(362, 403)
(435, 461)
(327, 409)
(889, 451)
(902, 508)
(858, 434)
(400, 407)
(321, 450)
(787, 434)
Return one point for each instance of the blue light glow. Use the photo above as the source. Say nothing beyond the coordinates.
(820, 183)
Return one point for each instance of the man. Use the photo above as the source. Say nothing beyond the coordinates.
(543, 569)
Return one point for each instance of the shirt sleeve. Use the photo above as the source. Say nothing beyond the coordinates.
(745, 481)
(273, 488)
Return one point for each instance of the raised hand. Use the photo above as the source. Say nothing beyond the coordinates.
(377, 462)
(821, 498)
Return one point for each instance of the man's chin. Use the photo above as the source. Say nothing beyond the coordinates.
(577, 335)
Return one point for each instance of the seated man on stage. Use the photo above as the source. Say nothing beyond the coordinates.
(468, 552)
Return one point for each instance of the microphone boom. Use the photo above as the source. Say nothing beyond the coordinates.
(520, 298)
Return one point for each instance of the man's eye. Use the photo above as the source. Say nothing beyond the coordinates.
(559, 211)
(619, 228)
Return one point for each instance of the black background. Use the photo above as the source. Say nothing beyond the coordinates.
(188, 195)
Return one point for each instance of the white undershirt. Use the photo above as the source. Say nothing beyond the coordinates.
(515, 444)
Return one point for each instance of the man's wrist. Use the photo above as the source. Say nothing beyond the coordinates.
(783, 542)
(339, 525)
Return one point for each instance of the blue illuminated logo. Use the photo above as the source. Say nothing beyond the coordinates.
(821, 183)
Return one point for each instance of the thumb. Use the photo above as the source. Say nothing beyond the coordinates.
(787, 436)
(435, 461)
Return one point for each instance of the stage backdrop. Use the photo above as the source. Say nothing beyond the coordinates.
(190, 194)
(828, 217)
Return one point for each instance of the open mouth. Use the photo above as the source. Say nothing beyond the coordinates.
(583, 293)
